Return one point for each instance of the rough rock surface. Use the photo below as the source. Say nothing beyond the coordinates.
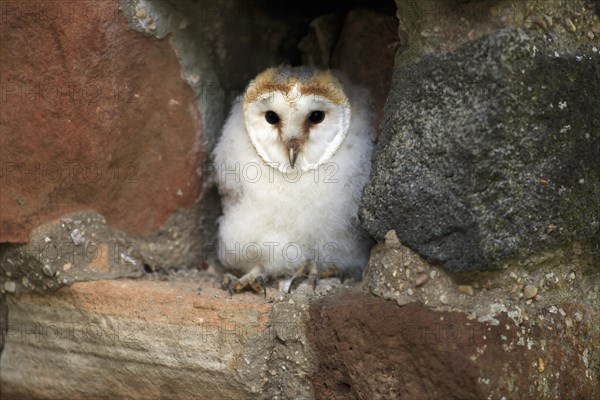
(489, 152)
(370, 348)
(76, 248)
(111, 128)
(180, 338)
(460, 336)
(143, 339)
(94, 116)
(441, 26)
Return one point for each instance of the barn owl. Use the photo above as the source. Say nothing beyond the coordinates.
(291, 164)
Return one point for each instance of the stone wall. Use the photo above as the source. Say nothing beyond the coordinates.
(484, 200)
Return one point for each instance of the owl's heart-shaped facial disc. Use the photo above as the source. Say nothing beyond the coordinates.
(296, 124)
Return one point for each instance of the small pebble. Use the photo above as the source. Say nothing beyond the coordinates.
(77, 237)
(570, 25)
(444, 299)
(48, 270)
(67, 267)
(421, 280)
(10, 286)
(569, 322)
(530, 292)
(591, 35)
(391, 238)
(466, 289)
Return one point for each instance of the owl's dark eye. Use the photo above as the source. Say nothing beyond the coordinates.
(272, 117)
(316, 117)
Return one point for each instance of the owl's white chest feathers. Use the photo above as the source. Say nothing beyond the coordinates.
(279, 221)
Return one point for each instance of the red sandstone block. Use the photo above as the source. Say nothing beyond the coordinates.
(93, 116)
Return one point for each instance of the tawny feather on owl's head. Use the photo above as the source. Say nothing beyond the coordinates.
(296, 117)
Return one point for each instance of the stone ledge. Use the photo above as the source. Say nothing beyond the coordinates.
(184, 339)
(130, 339)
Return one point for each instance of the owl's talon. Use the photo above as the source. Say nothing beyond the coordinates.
(307, 271)
(314, 278)
(264, 285)
(292, 282)
(259, 285)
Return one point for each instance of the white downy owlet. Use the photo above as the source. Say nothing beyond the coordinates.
(291, 164)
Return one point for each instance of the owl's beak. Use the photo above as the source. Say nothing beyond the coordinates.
(293, 150)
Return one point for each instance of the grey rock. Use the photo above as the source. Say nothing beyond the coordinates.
(54, 258)
(490, 152)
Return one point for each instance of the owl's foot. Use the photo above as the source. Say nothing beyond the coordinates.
(253, 280)
(308, 270)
